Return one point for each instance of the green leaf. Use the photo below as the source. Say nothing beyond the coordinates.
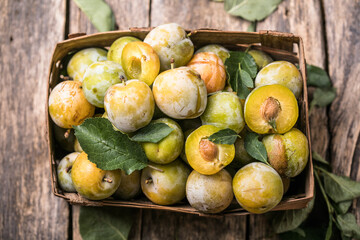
(343, 207)
(291, 219)
(251, 10)
(105, 223)
(317, 77)
(255, 148)
(224, 136)
(154, 132)
(340, 188)
(249, 65)
(313, 233)
(319, 158)
(329, 229)
(323, 97)
(99, 13)
(246, 79)
(252, 27)
(109, 149)
(239, 67)
(348, 226)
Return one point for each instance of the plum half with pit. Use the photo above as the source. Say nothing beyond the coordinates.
(271, 109)
(205, 156)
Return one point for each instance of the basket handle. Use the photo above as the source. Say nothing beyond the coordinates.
(278, 40)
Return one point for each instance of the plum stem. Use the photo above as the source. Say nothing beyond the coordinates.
(67, 133)
(149, 180)
(109, 180)
(172, 63)
(122, 79)
(155, 168)
(68, 169)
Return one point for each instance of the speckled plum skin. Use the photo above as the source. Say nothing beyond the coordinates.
(220, 51)
(170, 41)
(209, 193)
(287, 153)
(129, 186)
(261, 58)
(98, 78)
(64, 172)
(180, 93)
(89, 181)
(129, 105)
(211, 69)
(140, 61)
(169, 148)
(82, 59)
(224, 110)
(258, 187)
(68, 105)
(283, 73)
(167, 187)
(116, 48)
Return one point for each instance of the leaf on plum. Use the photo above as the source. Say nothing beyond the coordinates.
(109, 149)
(255, 148)
(154, 133)
(224, 136)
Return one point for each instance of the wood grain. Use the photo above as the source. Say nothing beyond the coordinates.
(128, 14)
(29, 31)
(305, 19)
(165, 225)
(195, 14)
(343, 40)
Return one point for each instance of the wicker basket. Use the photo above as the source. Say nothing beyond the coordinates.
(280, 46)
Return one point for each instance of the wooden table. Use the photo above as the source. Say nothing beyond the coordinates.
(29, 31)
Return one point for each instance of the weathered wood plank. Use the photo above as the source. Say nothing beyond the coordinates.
(135, 232)
(128, 14)
(343, 40)
(29, 31)
(195, 14)
(133, 13)
(305, 19)
(165, 225)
